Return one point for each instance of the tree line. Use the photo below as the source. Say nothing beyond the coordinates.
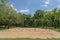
(41, 18)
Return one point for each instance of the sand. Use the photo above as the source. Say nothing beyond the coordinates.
(29, 33)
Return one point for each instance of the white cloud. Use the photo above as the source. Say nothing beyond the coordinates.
(47, 2)
(45, 5)
(15, 9)
(20, 11)
(11, 5)
(24, 11)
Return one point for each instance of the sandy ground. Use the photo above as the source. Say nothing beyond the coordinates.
(29, 33)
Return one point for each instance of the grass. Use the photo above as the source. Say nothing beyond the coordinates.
(58, 30)
(27, 39)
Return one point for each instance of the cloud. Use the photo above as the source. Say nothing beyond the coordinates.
(19, 11)
(11, 5)
(46, 3)
(24, 11)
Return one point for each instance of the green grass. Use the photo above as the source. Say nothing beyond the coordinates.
(57, 29)
(27, 39)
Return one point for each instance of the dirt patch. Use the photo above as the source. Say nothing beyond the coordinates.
(29, 33)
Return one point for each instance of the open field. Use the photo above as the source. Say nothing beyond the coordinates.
(29, 33)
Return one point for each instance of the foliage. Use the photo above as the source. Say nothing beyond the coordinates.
(9, 17)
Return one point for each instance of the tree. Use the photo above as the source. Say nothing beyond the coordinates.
(38, 14)
(26, 19)
(53, 17)
(38, 17)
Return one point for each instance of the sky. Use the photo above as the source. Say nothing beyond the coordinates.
(30, 6)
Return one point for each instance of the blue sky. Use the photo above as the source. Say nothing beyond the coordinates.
(30, 6)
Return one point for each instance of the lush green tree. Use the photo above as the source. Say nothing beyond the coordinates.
(10, 17)
(38, 14)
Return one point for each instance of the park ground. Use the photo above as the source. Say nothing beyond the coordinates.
(29, 34)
